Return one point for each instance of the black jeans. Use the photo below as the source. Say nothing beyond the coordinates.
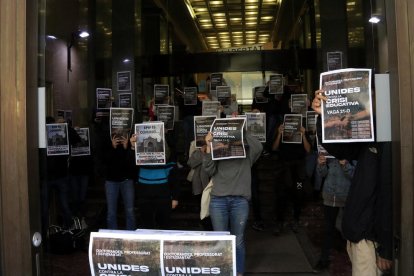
(330, 215)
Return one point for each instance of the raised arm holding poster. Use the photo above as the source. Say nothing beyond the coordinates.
(276, 84)
(256, 125)
(161, 94)
(202, 125)
(57, 139)
(190, 95)
(211, 108)
(166, 114)
(84, 147)
(347, 113)
(258, 94)
(121, 122)
(150, 147)
(292, 125)
(299, 104)
(227, 138)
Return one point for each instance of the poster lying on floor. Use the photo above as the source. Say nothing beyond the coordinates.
(150, 146)
(347, 112)
(202, 125)
(228, 138)
(121, 122)
(133, 253)
(57, 139)
(256, 125)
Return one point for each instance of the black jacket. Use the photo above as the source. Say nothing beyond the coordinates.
(368, 209)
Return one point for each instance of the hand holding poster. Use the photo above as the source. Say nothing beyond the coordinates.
(202, 125)
(121, 121)
(57, 139)
(166, 114)
(227, 138)
(150, 145)
(346, 114)
(292, 129)
(256, 125)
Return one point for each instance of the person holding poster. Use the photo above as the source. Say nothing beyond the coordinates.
(293, 178)
(367, 218)
(158, 191)
(231, 192)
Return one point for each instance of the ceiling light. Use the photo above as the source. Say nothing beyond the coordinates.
(51, 37)
(83, 34)
(374, 19)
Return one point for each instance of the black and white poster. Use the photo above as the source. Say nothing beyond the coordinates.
(256, 125)
(292, 125)
(202, 125)
(258, 94)
(311, 121)
(103, 98)
(84, 146)
(224, 95)
(150, 147)
(347, 113)
(124, 81)
(334, 60)
(57, 139)
(121, 122)
(299, 104)
(161, 94)
(125, 100)
(228, 138)
(211, 108)
(216, 79)
(276, 83)
(190, 95)
(166, 113)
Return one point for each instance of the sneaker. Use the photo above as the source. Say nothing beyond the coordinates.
(258, 226)
(320, 266)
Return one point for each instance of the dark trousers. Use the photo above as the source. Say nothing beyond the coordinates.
(257, 216)
(330, 215)
(155, 213)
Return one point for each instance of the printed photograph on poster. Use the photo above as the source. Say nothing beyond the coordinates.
(150, 147)
(347, 112)
(103, 98)
(256, 125)
(161, 94)
(228, 138)
(276, 83)
(224, 95)
(125, 100)
(121, 121)
(292, 125)
(57, 139)
(334, 60)
(258, 94)
(210, 108)
(216, 79)
(124, 81)
(202, 125)
(124, 254)
(322, 150)
(311, 125)
(190, 95)
(166, 114)
(299, 104)
(84, 146)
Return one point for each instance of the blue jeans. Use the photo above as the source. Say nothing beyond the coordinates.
(113, 189)
(231, 213)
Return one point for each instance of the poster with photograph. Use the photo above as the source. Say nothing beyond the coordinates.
(276, 83)
(103, 98)
(299, 104)
(334, 60)
(166, 253)
(124, 81)
(216, 79)
(291, 133)
(256, 125)
(161, 94)
(57, 139)
(258, 94)
(166, 114)
(190, 95)
(347, 113)
(224, 95)
(202, 125)
(211, 108)
(228, 138)
(150, 147)
(84, 146)
(125, 100)
(121, 122)
(311, 125)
